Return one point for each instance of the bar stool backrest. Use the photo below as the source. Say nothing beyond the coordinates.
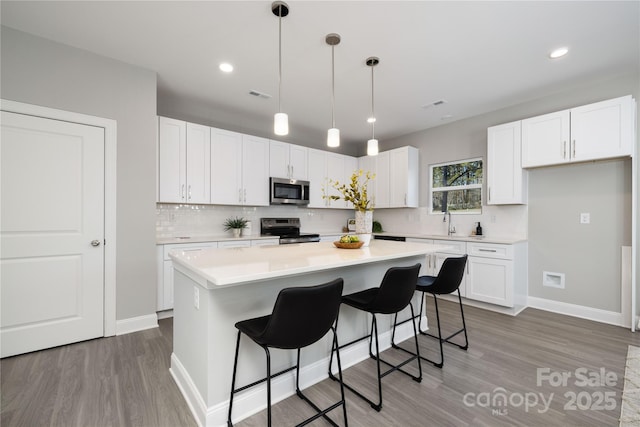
(301, 316)
(396, 289)
(450, 276)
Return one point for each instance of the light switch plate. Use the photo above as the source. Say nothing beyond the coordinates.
(585, 218)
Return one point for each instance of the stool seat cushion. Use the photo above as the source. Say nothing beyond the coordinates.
(361, 300)
(424, 282)
(254, 328)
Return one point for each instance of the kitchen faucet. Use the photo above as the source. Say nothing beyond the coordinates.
(451, 229)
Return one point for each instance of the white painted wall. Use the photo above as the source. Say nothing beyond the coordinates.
(41, 72)
(549, 220)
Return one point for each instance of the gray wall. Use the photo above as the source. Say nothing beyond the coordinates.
(589, 255)
(38, 71)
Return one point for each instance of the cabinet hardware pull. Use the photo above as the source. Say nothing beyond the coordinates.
(240, 195)
(486, 250)
(245, 195)
(489, 190)
(189, 192)
(564, 149)
(182, 192)
(574, 148)
(192, 250)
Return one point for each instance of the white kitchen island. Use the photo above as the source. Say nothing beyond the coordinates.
(215, 288)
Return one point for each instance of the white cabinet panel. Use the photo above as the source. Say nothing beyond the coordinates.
(506, 180)
(183, 162)
(239, 169)
(596, 131)
(317, 177)
(287, 160)
(234, 244)
(403, 177)
(265, 242)
(490, 280)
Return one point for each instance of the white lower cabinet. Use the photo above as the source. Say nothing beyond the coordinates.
(165, 270)
(495, 273)
(165, 265)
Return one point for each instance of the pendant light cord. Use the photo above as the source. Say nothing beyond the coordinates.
(373, 114)
(279, 58)
(333, 90)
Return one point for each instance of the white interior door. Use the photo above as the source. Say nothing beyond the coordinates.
(52, 233)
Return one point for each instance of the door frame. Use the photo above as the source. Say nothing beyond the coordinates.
(110, 146)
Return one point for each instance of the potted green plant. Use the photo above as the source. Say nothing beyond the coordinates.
(236, 225)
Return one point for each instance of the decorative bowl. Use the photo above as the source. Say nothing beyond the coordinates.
(352, 245)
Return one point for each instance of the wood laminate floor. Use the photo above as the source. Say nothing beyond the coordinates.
(535, 369)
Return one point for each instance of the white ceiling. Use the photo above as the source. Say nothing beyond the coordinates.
(478, 56)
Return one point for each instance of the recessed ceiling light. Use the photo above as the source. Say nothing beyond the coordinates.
(558, 53)
(226, 67)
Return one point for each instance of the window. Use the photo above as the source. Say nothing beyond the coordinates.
(457, 187)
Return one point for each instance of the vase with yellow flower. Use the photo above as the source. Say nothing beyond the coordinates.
(355, 192)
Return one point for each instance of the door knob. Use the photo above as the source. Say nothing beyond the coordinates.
(95, 242)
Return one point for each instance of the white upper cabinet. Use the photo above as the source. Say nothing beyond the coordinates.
(288, 160)
(506, 180)
(403, 173)
(183, 162)
(596, 131)
(326, 167)
(317, 177)
(240, 169)
(396, 181)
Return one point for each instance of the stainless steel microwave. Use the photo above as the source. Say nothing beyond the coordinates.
(289, 191)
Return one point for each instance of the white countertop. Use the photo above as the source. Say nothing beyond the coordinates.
(209, 238)
(484, 239)
(233, 266)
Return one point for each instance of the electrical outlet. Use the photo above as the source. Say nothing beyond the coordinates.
(585, 218)
(196, 297)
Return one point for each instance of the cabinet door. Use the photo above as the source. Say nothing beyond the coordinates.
(506, 181)
(427, 266)
(383, 178)
(403, 177)
(279, 159)
(298, 162)
(234, 244)
(255, 170)
(226, 167)
(198, 164)
(490, 280)
(602, 130)
(317, 177)
(545, 140)
(335, 172)
(171, 160)
(439, 260)
(350, 166)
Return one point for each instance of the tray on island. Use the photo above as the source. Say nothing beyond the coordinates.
(352, 245)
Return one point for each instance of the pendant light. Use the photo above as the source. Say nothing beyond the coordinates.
(333, 134)
(280, 120)
(372, 144)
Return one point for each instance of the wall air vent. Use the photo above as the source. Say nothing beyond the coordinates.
(438, 103)
(259, 94)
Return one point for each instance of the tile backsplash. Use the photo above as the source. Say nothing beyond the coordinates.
(176, 220)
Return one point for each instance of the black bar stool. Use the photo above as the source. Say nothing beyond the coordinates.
(393, 295)
(300, 317)
(446, 282)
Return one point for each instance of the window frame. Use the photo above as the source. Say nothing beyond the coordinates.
(433, 189)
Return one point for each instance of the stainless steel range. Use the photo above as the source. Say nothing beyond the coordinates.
(288, 229)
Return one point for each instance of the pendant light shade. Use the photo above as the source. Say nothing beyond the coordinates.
(280, 120)
(281, 124)
(333, 137)
(372, 144)
(333, 134)
(372, 147)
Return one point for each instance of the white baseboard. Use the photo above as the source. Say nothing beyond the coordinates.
(164, 314)
(254, 400)
(134, 324)
(589, 313)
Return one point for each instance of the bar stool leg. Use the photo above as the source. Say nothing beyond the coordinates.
(266, 350)
(233, 380)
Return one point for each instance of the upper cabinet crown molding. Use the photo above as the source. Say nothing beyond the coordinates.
(601, 130)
